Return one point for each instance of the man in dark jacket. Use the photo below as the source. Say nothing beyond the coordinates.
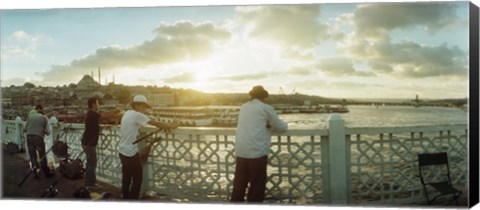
(90, 139)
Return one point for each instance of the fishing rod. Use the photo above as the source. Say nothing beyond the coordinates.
(33, 169)
(146, 136)
(52, 191)
(145, 152)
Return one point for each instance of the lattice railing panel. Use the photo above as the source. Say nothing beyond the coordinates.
(202, 163)
(8, 131)
(205, 165)
(108, 162)
(72, 134)
(295, 170)
(384, 166)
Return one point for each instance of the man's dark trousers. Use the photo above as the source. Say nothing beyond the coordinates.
(35, 143)
(91, 165)
(253, 171)
(132, 176)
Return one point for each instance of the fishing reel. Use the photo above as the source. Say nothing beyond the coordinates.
(50, 192)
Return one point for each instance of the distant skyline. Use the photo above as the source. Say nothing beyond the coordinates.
(337, 50)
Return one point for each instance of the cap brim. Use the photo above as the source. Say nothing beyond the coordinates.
(148, 105)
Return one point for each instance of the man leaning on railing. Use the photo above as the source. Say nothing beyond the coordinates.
(252, 145)
(132, 121)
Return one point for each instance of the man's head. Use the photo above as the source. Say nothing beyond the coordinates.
(258, 92)
(93, 103)
(140, 104)
(39, 109)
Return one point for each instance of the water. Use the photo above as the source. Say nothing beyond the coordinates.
(383, 116)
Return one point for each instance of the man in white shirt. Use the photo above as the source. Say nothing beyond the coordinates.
(252, 146)
(132, 121)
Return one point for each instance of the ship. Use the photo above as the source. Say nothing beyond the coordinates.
(205, 116)
(183, 116)
(310, 109)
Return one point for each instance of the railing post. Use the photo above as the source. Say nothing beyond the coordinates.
(338, 167)
(17, 139)
(54, 133)
(18, 132)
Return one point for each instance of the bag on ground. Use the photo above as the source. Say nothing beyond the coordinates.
(12, 148)
(60, 149)
(72, 169)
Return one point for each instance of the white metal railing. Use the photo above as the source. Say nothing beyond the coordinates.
(337, 165)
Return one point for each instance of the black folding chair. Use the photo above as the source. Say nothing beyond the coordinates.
(439, 176)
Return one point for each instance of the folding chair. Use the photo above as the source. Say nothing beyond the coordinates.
(439, 178)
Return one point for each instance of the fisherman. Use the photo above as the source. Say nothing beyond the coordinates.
(36, 129)
(132, 121)
(252, 145)
(90, 139)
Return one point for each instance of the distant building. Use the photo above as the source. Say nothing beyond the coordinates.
(87, 82)
(22, 99)
(161, 98)
(87, 87)
(6, 101)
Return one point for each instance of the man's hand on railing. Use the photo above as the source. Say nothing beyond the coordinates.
(169, 127)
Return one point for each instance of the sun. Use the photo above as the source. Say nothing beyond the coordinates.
(202, 76)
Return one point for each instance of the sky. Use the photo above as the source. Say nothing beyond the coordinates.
(337, 50)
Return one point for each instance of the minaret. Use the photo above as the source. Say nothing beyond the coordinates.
(99, 78)
(113, 78)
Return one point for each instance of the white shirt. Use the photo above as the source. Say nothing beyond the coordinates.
(253, 138)
(131, 122)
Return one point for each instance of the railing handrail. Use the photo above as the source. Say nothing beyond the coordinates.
(404, 129)
(291, 132)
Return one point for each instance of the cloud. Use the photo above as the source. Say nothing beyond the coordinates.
(298, 54)
(300, 70)
(182, 41)
(411, 60)
(242, 77)
(339, 66)
(21, 45)
(186, 30)
(371, 40)
(288, 72)
(182, 78)
(289, 25)
(376, 19)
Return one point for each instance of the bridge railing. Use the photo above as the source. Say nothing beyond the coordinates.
(335, 165)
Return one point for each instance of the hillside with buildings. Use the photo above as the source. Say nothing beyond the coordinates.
(18, 100)
(71, 99)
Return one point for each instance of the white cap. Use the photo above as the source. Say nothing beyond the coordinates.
(140, 99)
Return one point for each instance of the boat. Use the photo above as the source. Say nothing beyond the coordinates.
(339, 109)
(286, 109)
(184, 116)
(311, 109)
(225, 116)
(218, 116)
